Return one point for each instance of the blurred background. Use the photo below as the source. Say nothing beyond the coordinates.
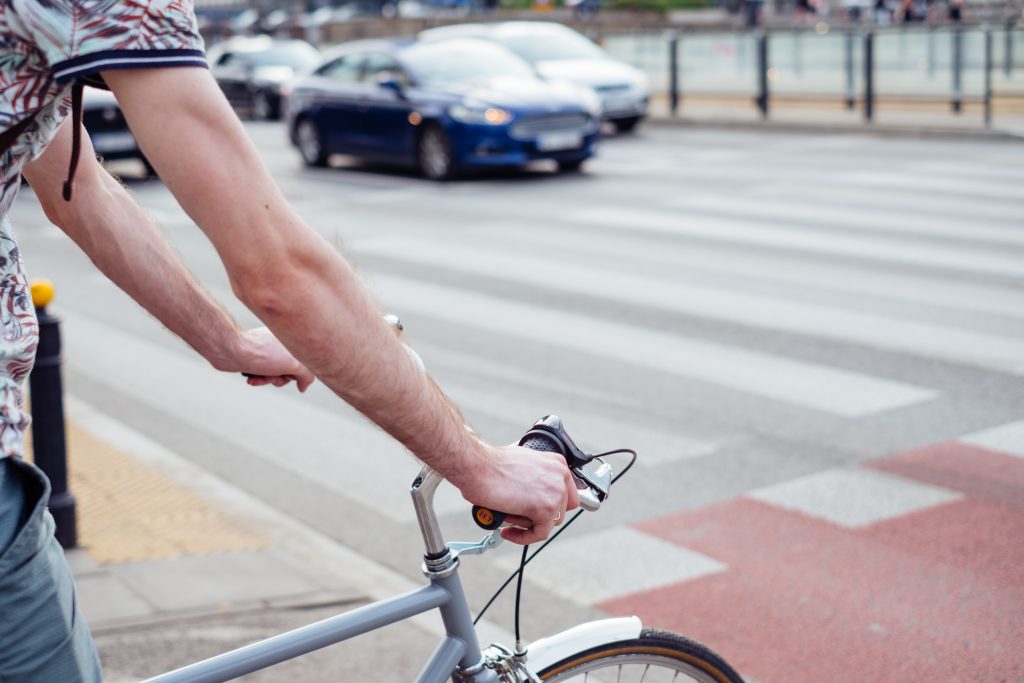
(775, 247)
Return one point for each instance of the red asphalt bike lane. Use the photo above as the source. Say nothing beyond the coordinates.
(933, 596)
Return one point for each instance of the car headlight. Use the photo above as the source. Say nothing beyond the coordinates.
(479, 114)
(592, 104)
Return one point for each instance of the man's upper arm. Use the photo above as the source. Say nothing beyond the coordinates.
(199, 148)
(47, 173)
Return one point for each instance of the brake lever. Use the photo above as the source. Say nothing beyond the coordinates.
(593, 487)
(488, 542)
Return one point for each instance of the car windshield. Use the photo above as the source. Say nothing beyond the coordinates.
(295, 55)
(462, 60)
(541, 45)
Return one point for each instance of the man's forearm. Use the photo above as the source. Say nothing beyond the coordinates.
(127, 247)
(285, 272)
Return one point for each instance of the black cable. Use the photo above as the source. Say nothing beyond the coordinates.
(519, 572)
(519, 589)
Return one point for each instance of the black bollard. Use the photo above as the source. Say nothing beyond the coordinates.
(47, 407)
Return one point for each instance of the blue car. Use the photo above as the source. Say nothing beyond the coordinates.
(445, 107)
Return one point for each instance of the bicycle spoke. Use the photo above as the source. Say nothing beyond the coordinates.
(644, 675)
(618, 676)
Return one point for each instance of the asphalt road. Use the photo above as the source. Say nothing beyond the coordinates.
(744, 309)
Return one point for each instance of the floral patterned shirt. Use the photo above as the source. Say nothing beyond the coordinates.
(45, 46)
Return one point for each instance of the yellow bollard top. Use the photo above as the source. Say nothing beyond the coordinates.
(42, 292)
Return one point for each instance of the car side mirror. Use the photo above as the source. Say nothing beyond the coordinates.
(389, 81)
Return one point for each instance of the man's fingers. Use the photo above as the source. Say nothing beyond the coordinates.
(526, 536)
(519, 521)
(304, 379)
(572, 499)
(278, 381)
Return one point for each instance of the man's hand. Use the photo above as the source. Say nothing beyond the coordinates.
(262, 358)
(534, 488)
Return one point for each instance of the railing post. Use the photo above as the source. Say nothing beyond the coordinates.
(673, 73)
(958, 67)
(47, 405)
(869, 76)
(988, 77)
(931, 51)
(798, 61)
(851, 96)
(1008, 49)
(762, 73)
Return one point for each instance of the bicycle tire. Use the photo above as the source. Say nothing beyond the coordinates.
(655, 657)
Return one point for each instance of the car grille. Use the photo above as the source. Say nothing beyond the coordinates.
(611, 89)
(562, 122)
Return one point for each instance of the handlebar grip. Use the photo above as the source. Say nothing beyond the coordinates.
(490, 520)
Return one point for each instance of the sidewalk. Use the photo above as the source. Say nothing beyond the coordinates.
(828, 116)
(175, 565)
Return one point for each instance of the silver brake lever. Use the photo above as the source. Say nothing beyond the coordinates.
(488, 542)
(594, 484)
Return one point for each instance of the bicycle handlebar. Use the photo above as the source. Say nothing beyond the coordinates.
(549, 435)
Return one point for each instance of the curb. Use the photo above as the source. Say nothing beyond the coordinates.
(878, 130)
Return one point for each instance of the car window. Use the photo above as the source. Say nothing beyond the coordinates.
(227, 58)
(343, 69)
(463, 59)
(296, 54)
(545, 44)
(378, 63)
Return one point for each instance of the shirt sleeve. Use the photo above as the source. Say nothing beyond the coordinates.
(81, 38)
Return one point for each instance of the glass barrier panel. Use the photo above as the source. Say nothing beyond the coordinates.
(812, 63)
(648, 52)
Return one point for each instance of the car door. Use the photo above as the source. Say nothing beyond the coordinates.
(383, 116)
(340, 93)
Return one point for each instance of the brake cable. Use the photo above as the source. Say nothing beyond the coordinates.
(525, 560)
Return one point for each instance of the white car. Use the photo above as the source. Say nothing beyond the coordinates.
(559, 53)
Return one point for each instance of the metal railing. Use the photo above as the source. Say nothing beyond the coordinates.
(856, 66)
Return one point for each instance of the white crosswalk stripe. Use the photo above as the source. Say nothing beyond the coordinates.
(754, 234)
(811, 386)
(751, 309)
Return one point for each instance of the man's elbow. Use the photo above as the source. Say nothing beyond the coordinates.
(279, 275)
(89, 192)
(270, 292)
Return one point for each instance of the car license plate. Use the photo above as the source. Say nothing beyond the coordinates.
(107, 143)
(619, 104)
(552, 142)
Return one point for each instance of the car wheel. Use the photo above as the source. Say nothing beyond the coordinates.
(434, 151)
(310, 144)
(262, 109)
(626, 125)
(573, 166)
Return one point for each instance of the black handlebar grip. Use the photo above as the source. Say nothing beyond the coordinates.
(488, 519)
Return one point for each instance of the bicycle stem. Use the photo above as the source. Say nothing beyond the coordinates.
(422, 491)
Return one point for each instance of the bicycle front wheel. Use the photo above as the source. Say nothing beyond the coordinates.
(655, 657)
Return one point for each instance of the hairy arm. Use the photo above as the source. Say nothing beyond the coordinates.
(309, 296)
(114, 231)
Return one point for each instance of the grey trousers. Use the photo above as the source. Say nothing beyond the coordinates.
(43, 637)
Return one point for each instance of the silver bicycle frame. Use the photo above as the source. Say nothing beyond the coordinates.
(459, 649)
